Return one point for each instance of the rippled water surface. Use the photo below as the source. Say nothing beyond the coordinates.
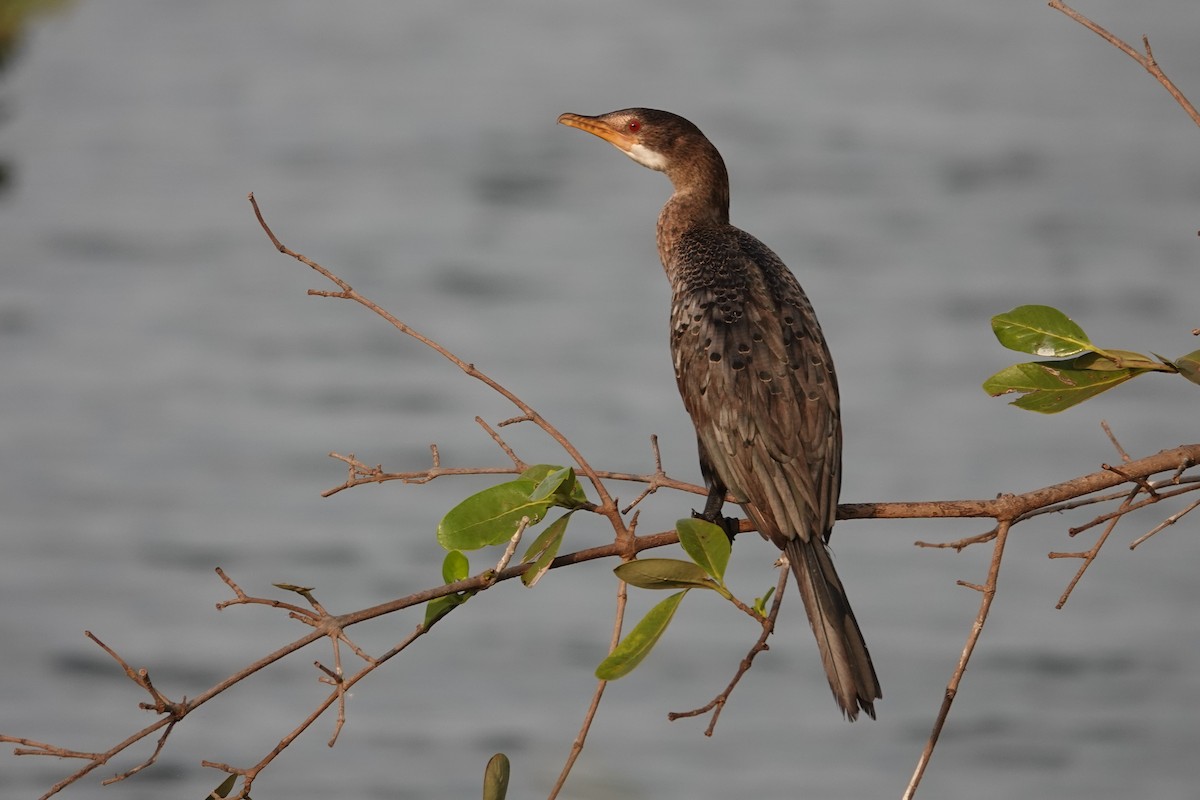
(169, 392)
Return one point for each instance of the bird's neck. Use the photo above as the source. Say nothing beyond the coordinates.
(690, 207)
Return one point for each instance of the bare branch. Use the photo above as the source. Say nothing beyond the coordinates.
(527, 411)
(988, 592)
(1146, 60)
(717, 704)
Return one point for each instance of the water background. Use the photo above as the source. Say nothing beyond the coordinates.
(169, 392)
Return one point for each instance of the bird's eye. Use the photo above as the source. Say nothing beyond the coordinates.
(634, 125)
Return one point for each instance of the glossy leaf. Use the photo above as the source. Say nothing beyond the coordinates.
(455, 567)
(543, 550)
(637, 644)
(495, 777)
(1052, 386)
(491, 516)
(664, 573)
(1041, 331)
(707, 545)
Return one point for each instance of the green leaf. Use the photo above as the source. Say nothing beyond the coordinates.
(665, 573)
(707, 544)
(760, 603)
(495, 777)
(559, 485)
(549, 484)
(1113, 360)
(543, 550)
(1052, 386)
(638, 642)
(561, 488)
(539, 472)
(1189, 366)
(223, 790)
(1041, 331)
(455, 567)
(439, 607)
(491, 516)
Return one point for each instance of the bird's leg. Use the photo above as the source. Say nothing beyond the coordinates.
(716, 500)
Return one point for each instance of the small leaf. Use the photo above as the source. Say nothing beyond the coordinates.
(538, 472)
(561, 488)
(1189, 366)
(559, 485)
(638, 642)
(455, 567)
(495, 777)
(1041, 331)
(1113, 360)
(291, 587)
(491, 516)
(707, 544)
(549, 484)
(760, 603)
(665, 573)
(439, 607)
(543, 550)
(1052, 386)
(223, 790)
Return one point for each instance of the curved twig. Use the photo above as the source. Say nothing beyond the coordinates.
(1147, 60)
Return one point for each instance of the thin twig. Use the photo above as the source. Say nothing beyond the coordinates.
(1171, 520)
(347, 293)
(1112, 438)
(594, 705)
(1089, 556)
(988, 593)
(1147, 60)
(717, 704)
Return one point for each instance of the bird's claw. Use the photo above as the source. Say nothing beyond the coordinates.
(731, 525)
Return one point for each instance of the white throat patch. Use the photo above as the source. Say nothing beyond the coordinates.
(647, 157)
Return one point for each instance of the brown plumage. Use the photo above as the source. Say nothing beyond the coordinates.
(755, 375)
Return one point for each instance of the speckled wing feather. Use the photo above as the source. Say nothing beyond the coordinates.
(757, 378)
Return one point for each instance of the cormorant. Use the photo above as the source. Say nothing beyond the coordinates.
(755, 375)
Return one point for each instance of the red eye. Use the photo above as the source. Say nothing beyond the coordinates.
(634, 125)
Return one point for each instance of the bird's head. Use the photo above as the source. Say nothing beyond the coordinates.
(659, 140)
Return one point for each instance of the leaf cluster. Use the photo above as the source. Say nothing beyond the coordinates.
(708, 547)
(1081, 369)
(494, 515)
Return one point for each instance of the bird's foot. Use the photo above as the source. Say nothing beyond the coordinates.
(730, 525)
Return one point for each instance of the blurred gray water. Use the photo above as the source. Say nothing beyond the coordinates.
(169, 392)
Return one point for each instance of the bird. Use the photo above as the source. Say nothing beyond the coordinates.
(756, 377)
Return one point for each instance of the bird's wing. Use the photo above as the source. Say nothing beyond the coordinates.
(758, 381)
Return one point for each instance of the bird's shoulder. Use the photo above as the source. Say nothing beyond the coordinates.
(743, 329)
(728, 283)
